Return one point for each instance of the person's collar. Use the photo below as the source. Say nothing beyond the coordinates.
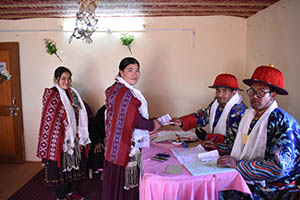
(259, 113)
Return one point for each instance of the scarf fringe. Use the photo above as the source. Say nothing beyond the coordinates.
(70, 162)
(132, 171)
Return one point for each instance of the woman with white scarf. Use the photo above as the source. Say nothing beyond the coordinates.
(63, 135)
(127, 130)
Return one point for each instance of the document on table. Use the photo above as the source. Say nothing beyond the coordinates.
(187, 155)
(203, 168)
(189, 158)
(163, 136)
(208, 156)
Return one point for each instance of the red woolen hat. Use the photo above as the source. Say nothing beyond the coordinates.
(270, 76)
(226, 80)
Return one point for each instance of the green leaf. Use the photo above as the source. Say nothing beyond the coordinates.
(127, 39)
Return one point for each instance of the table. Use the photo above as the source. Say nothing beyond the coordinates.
(155, 184)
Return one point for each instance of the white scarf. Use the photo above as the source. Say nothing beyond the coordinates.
(257, 139)
(221, 125)
(70, 134)
(140, 137)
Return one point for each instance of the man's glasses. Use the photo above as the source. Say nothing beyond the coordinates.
(259, 93)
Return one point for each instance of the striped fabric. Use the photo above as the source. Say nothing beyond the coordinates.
(121, 118)
(281, 164)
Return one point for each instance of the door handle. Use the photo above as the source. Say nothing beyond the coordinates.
(13, 101)
(11, 111)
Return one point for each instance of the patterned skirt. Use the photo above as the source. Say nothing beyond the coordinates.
(55, 175)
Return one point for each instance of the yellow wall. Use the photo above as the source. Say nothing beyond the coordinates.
(273, 38)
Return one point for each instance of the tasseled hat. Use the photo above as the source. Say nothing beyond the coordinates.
(270, 76)
(226, 80)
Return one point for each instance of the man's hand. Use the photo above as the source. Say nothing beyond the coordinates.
(227, 161)
(209, 146)
(177, 121)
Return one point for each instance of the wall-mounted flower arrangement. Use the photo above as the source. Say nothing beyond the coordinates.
(51, 48)
(127, 39)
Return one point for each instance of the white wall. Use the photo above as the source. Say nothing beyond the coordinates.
(174, 75)
(273, 38)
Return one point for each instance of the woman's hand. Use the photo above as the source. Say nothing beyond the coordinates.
(177, 121)
(98, 148)
(209, 146)
(227, 161)
(157, 125)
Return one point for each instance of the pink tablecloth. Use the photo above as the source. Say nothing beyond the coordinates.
(157, 185)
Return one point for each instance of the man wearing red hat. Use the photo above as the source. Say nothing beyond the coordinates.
(222, 115)
(266, 150)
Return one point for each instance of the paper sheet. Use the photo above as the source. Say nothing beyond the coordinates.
(165, 120)
(189, 158)
(207, 156)
(204, 168)
(187, 155)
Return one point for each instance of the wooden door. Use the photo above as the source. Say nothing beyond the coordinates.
(11, 123)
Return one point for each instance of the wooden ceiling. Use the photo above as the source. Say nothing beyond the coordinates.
(24, 9)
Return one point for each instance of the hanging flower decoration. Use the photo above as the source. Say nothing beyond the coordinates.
(127, 40)
(51, 48)
(4, 73)
(85, 21)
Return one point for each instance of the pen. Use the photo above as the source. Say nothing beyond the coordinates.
(212, 139)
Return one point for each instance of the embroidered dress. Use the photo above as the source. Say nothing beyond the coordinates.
(202, 118)
(121, 118)
(124, 110)
(63, 164)
(280, 165)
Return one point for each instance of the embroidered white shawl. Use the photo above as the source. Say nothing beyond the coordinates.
(256, 143)
(221, 125)
(70, 134)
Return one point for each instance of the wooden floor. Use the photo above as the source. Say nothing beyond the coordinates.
(14, 176)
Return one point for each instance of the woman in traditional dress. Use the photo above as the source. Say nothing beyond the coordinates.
(62, 136)
(127, 131)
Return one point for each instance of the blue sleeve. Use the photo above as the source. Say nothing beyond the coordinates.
(282, 157)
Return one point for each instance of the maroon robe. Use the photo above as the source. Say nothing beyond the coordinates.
(121, 119)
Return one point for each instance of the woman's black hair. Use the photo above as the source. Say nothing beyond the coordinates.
(60, 70)
(127, 61)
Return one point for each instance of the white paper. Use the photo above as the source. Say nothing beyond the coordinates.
(189, 158)
(203, 168)
(165, 120)
(187, 155)
(210, 155)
